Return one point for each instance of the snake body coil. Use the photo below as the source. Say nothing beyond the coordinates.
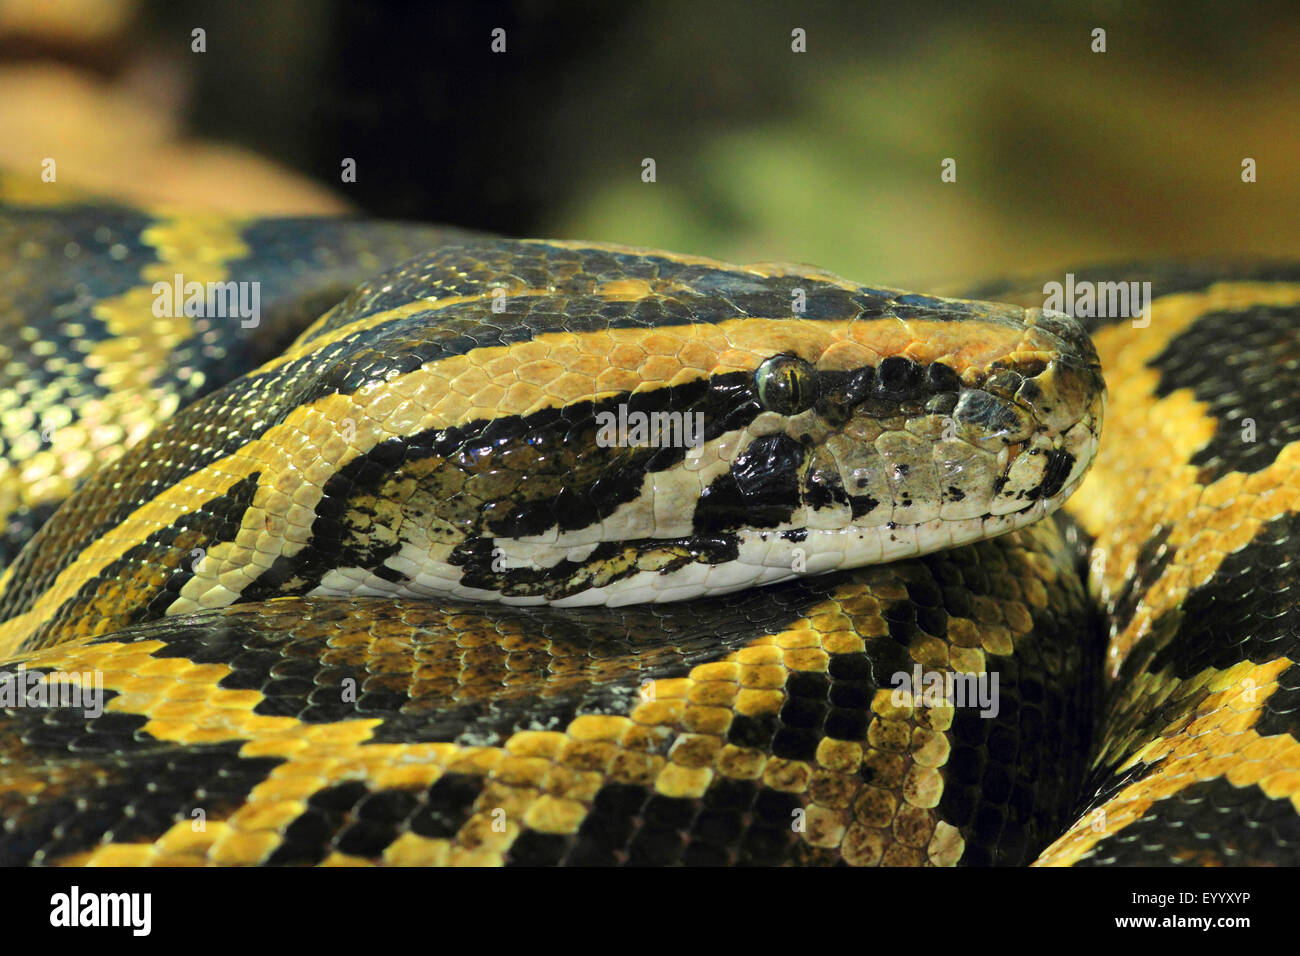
(541, 552)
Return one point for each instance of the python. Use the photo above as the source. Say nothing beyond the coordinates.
(473, 431)
(349, 673)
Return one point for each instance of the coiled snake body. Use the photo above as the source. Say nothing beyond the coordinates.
(556, 552)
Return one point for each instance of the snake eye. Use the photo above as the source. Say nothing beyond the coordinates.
(786, 384)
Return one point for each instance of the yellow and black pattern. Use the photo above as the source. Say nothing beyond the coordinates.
(758, 728)
(1192, 511)
(271, 719)
(286, 683)
(419, 436)
(89, 368)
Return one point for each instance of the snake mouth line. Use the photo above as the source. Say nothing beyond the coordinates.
(656, 571)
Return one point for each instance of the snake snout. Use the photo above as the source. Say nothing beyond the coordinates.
(975, 428)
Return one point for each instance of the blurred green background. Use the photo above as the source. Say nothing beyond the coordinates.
(831, 156)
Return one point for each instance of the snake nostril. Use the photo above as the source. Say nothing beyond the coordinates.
(1004, 382)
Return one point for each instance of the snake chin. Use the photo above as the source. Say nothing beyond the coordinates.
(656, 572)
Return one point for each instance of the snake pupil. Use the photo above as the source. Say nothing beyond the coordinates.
(786, 384)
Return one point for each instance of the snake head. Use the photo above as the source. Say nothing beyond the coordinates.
(932, 424)
(673, 427)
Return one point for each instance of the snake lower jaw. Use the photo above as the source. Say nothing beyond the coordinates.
(658, 572)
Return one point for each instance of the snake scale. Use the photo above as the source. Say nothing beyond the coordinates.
(386, 574)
